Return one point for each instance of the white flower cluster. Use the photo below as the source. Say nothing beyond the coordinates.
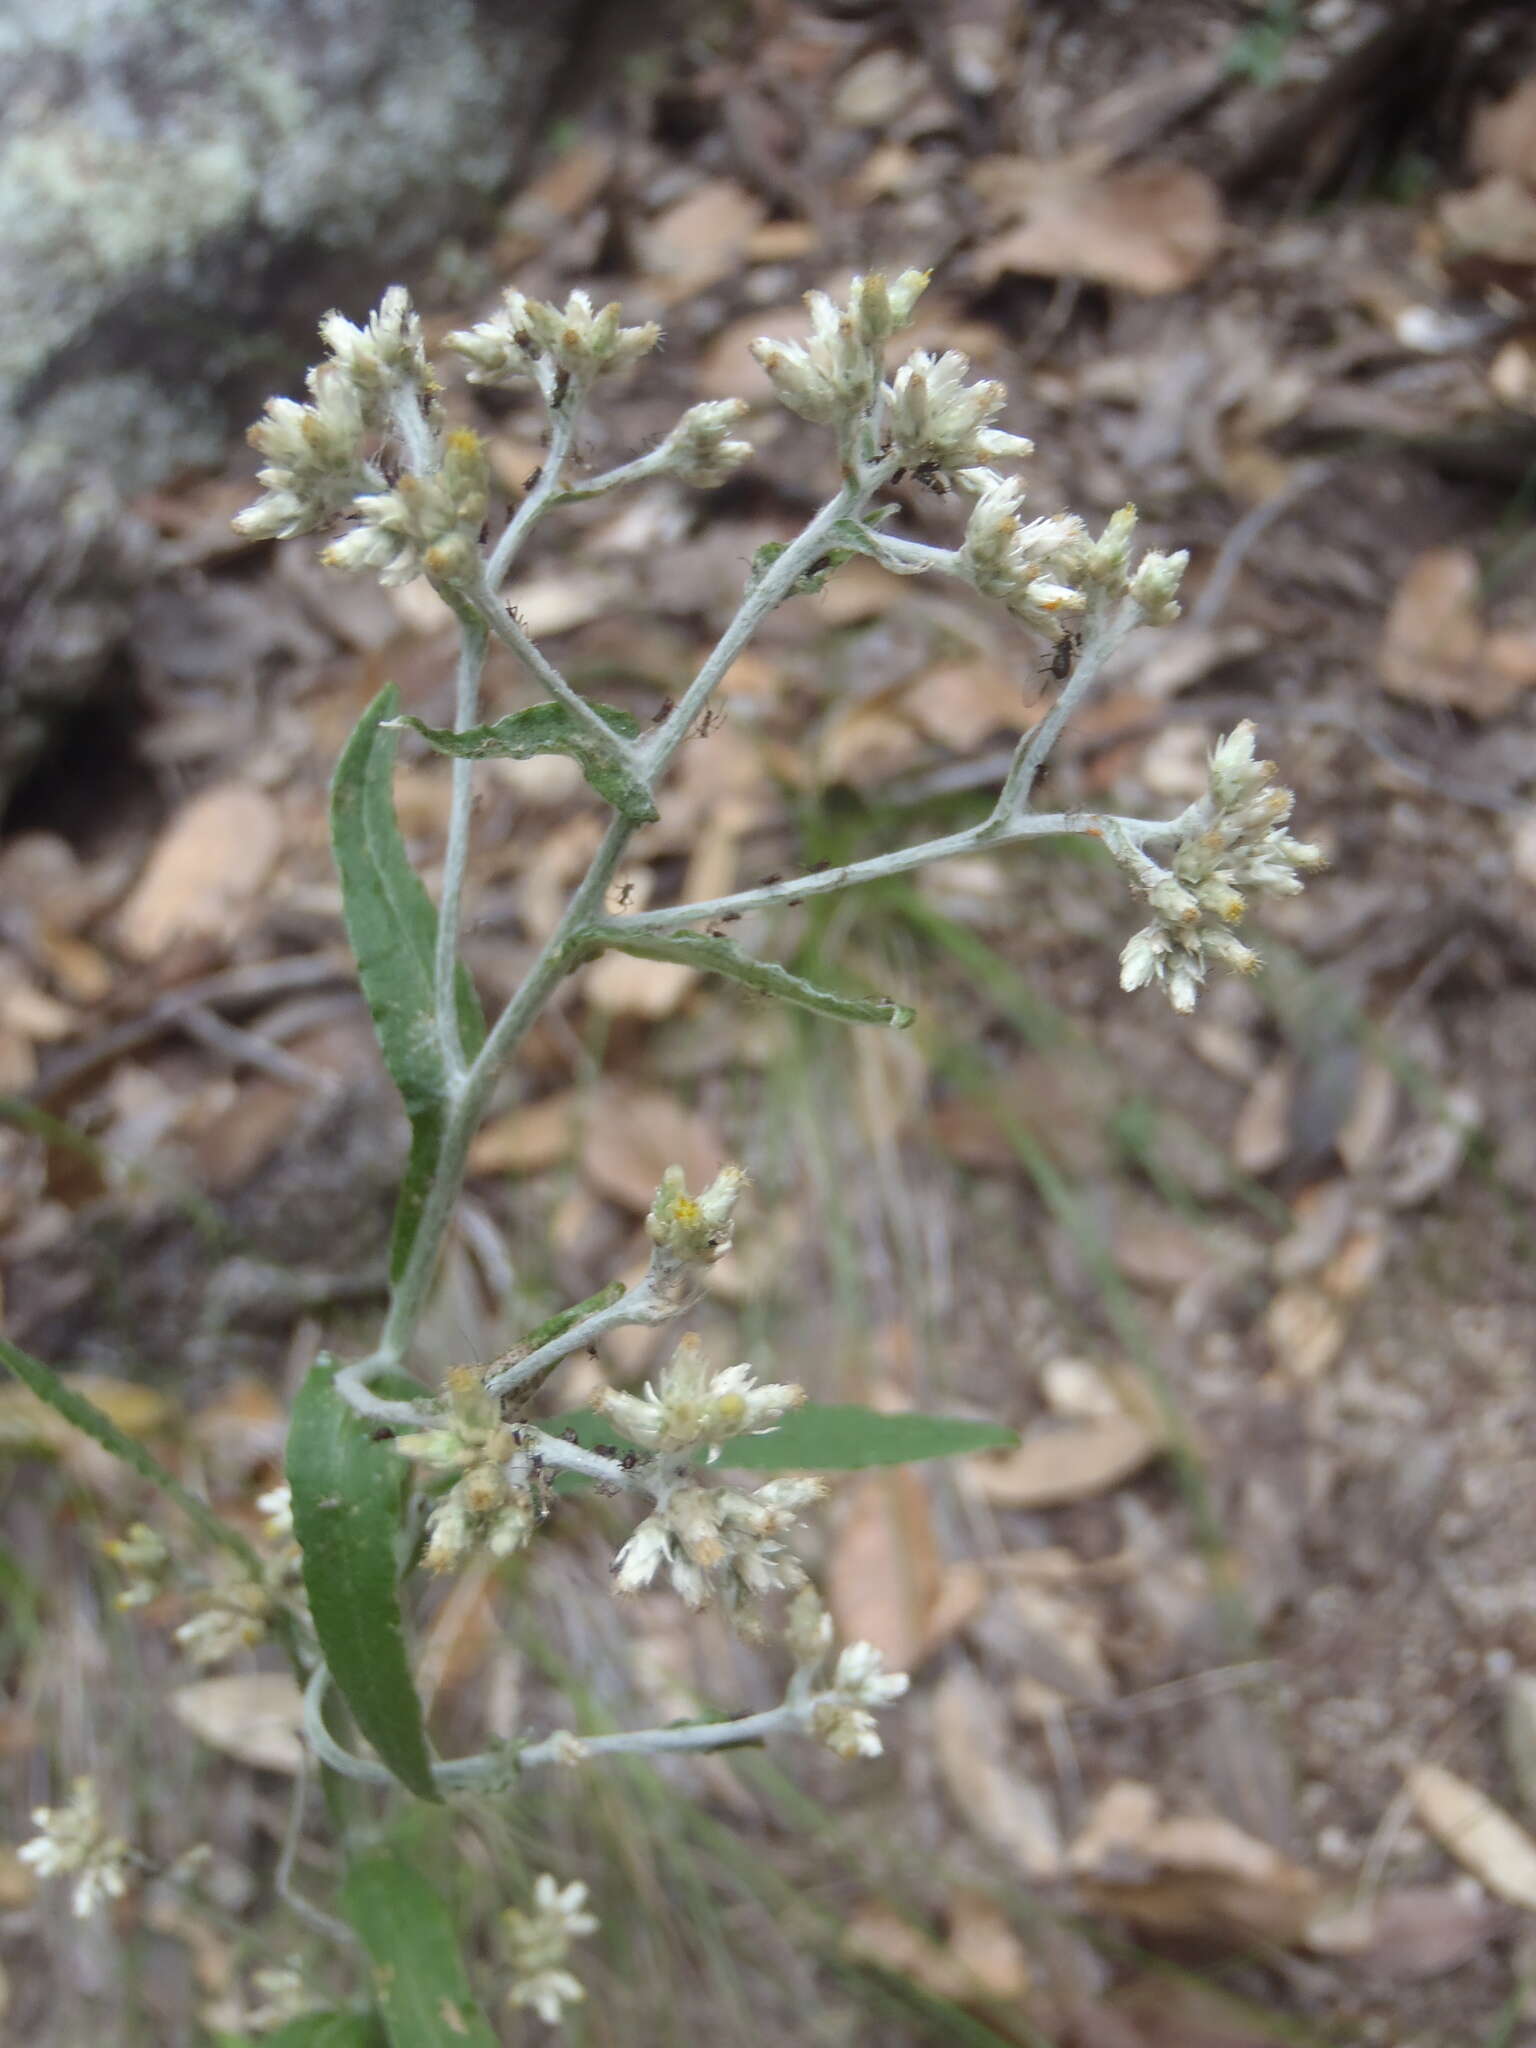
(1232, 839)
(425, 525)
(690, 1404)
(695, 1229)
(72, 1841)
(938, 426)
(491, 1504)
(836, 373)
(144, 1560)
(1048, 570)
(383, 358)
(718, 1539)
(315, 467)
(700, 449)
(842, 1714)
(539, 1942)
(555, 347)
(236, 1613)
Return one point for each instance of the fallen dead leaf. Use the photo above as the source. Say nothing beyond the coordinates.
(531, 1138)
(883, 1575)
(1481, 1836)
(1189, 1874)
(1261, 1137)
(1435, 648)
(253, 1716)
(205, 871)
(984, 1775)
(1414, 1932)
(698, 240)
(1503, 136)
(1151, 228)
(983, 1957)
(1054, 1466)
(874, 90)
(1304, 1329)
(632, 1135)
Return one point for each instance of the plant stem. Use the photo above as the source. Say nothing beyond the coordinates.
(562, 428)
(472, 650)
(1100, 642)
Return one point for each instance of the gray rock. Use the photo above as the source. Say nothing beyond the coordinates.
(184, 186)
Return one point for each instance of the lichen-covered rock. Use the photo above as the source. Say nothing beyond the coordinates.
(184, 185)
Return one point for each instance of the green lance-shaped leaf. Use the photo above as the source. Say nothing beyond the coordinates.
(392, 925)
(553, 729)
(714, 955)
(347, 1497)
(85, 1416)
(419, 1979)
(325, 2030)
(829, 1437)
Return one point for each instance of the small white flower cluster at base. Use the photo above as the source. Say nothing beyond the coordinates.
(841, 1714)
(539, 1942)
(72, 1841)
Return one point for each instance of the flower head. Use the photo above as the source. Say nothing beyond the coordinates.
(1231, 840)
(425, 525)
(72, 1841)
(690, 1404)
(719, 1540)
(382, 357)
(533, 340)
(1034, 567)
(144, 1560)
(700, 449)
(314, 462)
(843, 1716)
(939, 425)
(491, 1504)
(539, 1942)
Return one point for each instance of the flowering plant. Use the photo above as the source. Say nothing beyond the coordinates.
(386, 1471)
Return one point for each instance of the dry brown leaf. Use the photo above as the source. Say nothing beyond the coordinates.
(1304, 1329)
(253, 1716)
(1054, 1466)
(18, 1885)
(864, 745)
(1503, 136)
(1261, 1137)
(983, 1957)
(1189, 1875)
(1480, 1835)
(1491, 223)
(873, 91)
(632, 1135)
(983, 1772)
(1152, 228)
(883, 1576)
(699, 240)
(962, 703)
(1403, 1936)
(1434, 646)
(206, 870)
(531, 1138)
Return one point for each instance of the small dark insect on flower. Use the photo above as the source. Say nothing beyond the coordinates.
(606, 1450)
(485, 531)
(389, 465)
(630, 1460)
(562, 386)
(712, 721)
(626, 895)
(730, 917)
(569, 1435)
(531, 480)
(931, 478)
(516, 617)
(383, 1436)
(770, 881)
(821, 867)
(663, 710)
(716, 931)
(1063, 655)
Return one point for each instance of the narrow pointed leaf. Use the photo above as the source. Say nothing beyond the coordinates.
(553, 729)
(712, 955)
(826, 1437)
(347, 1497)
(392, 925)
(419, 1980)
(85, 1416)
(327, 2030)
